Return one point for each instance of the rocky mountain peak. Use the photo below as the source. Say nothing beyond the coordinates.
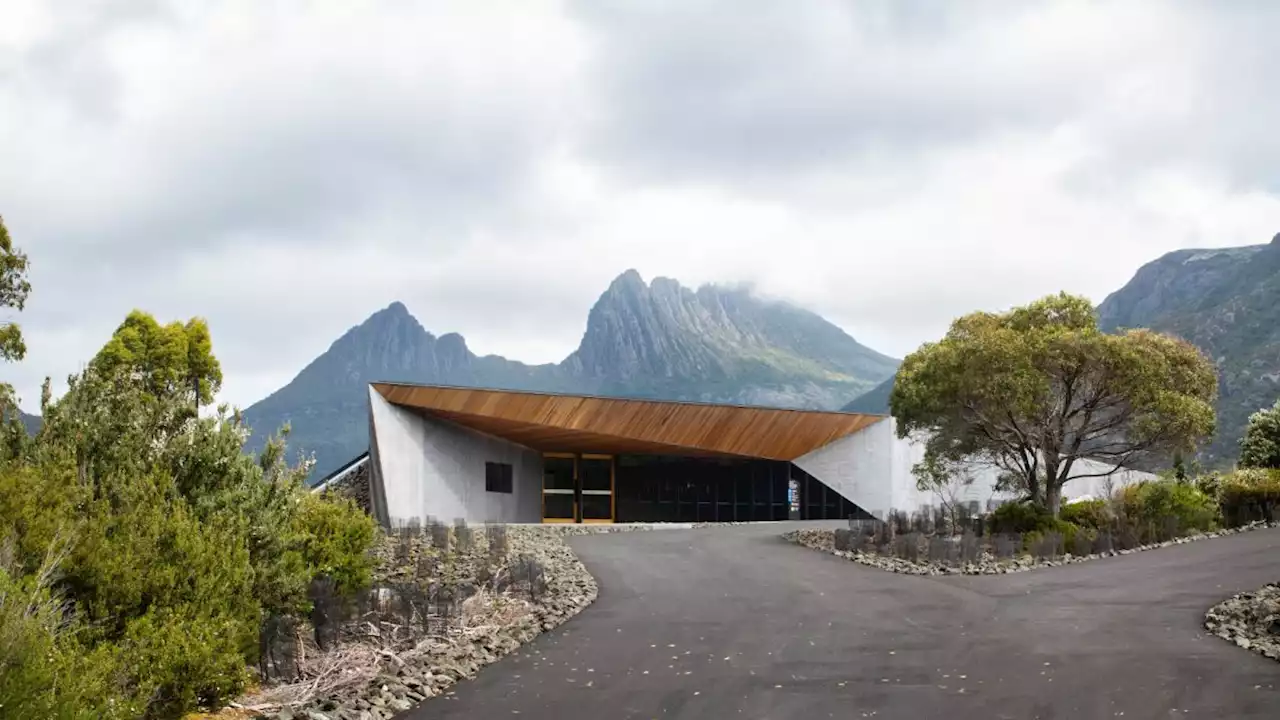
(658, 339)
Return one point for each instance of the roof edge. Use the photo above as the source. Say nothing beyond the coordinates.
(537, 393)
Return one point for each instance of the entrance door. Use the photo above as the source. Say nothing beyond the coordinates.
(595, 472)
(559, 489)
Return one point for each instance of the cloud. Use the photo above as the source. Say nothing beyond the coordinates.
(494, 165)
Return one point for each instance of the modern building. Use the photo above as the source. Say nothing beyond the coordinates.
(507, 456)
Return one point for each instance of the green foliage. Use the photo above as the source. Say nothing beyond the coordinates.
(1149, 504)
(175, 543)
(1250, 494)
(1210, 484)
(14, 289)
(1032, 521)
(1260, 446)
(173, 359)
(1035, 389)
(1093, 514)
(44, 671)
(1021, 517)
(335, 534)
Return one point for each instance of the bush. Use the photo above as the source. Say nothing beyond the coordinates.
(335, 536)
(1092, 514)
(1250, 494)
(177, 546)
(1260, 445)
(1148, 507)
(1018, 517)
(1033, 522)
(44, 672)
(1210, 484)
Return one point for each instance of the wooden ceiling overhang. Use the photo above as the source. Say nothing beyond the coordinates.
(617, 426)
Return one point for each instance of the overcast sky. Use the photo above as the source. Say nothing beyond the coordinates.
(284, 169)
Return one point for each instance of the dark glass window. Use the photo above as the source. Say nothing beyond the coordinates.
(497, 477)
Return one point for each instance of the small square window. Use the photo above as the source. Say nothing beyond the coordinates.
(497, 477)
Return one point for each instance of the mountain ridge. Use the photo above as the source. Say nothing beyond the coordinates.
(656, 340)
(1226, 301)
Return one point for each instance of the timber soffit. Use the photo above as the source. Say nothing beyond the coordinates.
(579, 422)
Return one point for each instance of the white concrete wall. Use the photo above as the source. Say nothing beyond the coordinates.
(872, 469)
(427, 467)
(861, 467)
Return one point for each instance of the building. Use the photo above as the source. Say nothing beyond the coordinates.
(506, 456)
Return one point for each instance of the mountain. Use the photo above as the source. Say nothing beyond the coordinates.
(872, 402)
(655, 340)
(31, 423)
(1227, 302)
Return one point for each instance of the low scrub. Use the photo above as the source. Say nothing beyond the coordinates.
(1249, 495)
(1092, 514)
(1159, 509)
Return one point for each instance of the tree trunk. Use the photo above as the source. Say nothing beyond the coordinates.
(1053, 496)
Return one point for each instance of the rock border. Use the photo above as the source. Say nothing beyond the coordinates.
(823, 540)
(1251, 620)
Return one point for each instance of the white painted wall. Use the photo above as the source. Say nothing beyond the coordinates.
(427, 467)
(872, 468)
(861, 467)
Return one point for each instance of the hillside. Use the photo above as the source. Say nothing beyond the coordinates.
(874, 401)
(655, 340)
(1227, 302)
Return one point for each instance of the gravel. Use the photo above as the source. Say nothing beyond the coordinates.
(987, 564)
(1251, 620)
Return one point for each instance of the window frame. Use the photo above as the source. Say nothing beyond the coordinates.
(499, 477)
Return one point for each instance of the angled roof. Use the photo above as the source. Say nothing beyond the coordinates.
(580, 423)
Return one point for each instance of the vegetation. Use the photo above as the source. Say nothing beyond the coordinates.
(1260, 446)
(1090, 514)
(1034, 390)
(141, 550)
(1250, 494)
(1167, 504)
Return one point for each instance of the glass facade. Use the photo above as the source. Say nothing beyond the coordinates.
(682, 489)
(559, 489)
(662, 488)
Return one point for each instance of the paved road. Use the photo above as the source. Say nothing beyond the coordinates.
(737, 623)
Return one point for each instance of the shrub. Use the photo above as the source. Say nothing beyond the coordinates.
(1250, 494)
(1209, 483)
(1149, 506)
(1260, 445)
(1019, 517)
(176, 545)
(335, 537)
(1033, 522)
(1087, 514)
(44, 672)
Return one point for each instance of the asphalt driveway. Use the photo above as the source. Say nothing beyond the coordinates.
(738, 623)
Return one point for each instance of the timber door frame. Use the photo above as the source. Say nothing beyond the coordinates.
(578, 491)
(543, 492)
(613, 480)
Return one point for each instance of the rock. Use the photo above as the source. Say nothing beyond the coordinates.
(1250, 620)
(824, 540)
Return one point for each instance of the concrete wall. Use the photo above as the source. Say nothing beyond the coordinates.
(864, 467)
(872, 469)
(426, 467)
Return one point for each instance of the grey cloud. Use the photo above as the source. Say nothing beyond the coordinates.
(762, 92)
(288, 186)
(767, 88)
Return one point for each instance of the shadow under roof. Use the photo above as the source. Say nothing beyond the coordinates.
(618, 426)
